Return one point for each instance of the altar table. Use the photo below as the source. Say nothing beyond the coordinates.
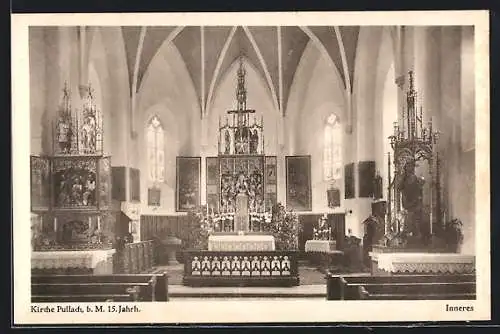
(320, 246)
(431, 263)
(100, 262)
(241, 243)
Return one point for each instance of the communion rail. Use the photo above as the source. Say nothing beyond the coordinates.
(240, 268)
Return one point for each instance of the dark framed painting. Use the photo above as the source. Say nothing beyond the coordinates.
(188, 175)
(154, 197)
(366, 170)
(40, 183)
(118, 190)
(135, 184)
(298, 183)
(349, 187)
(333, 197)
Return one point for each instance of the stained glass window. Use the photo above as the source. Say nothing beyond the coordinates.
(332, 149)
(156, 153)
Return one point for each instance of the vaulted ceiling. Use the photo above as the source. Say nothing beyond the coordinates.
(208, 53)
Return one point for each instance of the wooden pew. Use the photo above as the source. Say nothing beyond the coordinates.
(341, 287)
(418, 291)
(99, 288)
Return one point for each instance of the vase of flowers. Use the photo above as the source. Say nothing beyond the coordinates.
(453, 235)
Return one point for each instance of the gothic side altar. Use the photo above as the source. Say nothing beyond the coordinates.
(416, 233)
(72, 220)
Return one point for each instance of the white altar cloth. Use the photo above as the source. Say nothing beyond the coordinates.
(241, 243)
(320, 246)
(424, 262)
(100, 261)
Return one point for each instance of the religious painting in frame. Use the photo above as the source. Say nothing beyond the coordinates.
(349, 181)
(135, 184)
(74, 182)
(298, 183)
(188, 175)
(154, 197)
(119, 184)
(366, 171)
(40, 183)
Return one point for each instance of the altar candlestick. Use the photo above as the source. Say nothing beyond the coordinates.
(90, 222)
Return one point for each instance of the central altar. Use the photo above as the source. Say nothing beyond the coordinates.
(241, 192)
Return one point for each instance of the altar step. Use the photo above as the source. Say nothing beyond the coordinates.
(180, 292)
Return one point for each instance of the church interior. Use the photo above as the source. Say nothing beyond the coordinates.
(169, 158)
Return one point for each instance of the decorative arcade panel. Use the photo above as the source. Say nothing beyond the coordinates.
(242, 268)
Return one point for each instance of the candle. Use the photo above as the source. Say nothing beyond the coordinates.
(98, 223)
(130, 227)
(90, 222)
(55, 224)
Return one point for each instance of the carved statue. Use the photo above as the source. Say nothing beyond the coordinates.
(227, 142)
(411, 186)
(64, 134)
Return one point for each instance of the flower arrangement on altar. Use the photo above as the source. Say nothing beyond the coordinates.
(281, 224)
(323, 231)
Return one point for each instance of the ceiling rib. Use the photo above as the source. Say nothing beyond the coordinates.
(321, 47)
(264, 66)
(169, 39)
(345, 66)
(280, 69)
(218, 67)
(138, 57)
(135, 75)
(202, 55)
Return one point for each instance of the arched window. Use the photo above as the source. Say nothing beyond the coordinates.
(332, 149)
(155, 142)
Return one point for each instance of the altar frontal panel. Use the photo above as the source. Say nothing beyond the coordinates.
(240, 268)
